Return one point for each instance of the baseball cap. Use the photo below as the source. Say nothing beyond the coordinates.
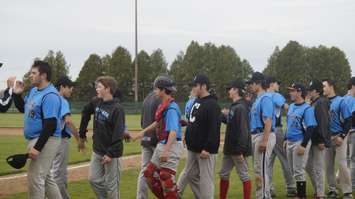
(270, 79)
(165, 82)
(315, 85)
(236, 84)
(298, 87)
(17, 161)
(1, 64)
(351, 82)
(64, 81)
(201, 79)
(257, 76)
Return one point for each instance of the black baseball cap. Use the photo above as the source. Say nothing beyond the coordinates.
(257, 76)
(200, 79)
(64, 81)
(298, 87)
(165, 82)
(17, 161)
(270, 79)
(315, 85)
(1, 64)
(239, 84)
(351, 82)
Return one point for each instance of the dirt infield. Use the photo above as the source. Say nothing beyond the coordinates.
(11, 131)
(19, 131)
(18, 183)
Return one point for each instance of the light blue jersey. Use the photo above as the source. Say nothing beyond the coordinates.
(261, 109)
(39, 105)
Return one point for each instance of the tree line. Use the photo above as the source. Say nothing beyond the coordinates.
(294, 62)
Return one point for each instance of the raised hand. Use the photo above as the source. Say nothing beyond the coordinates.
(11, 82)
(19, 87)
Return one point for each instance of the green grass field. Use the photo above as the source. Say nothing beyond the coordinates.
(16, 120)
(79, 190)
(10, 145)
(82, 189)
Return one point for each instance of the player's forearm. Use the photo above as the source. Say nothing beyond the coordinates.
(49, 126)
(171, 139)
(267, 129)
(150, 128)
(307, 136)
(74, 130)
(19, 102)
(347, 127)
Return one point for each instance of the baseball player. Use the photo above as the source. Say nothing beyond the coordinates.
(42, 129)
(148, 142)
(263, 138)
(202, 139)
(60, 163)
(88, 110)
(109, 128)
(300, 126)
(279, 151)
(184, 177)
(6, 99)
(350, 101)
(237, 142)
(320, 137)
(160, 172)
(340, 124)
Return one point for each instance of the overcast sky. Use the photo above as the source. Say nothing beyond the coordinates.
(81, 27)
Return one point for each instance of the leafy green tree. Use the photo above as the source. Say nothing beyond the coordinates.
(302, 64)
(120, 67)
(221, 64)
(92, 69)
(59, 65)
(158, 63)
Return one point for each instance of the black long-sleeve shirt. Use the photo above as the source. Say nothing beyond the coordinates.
(321, 134)
(109, 126)
(204, 126)
(19, 102)
(237, 138)
(6, 100)
(86, 113)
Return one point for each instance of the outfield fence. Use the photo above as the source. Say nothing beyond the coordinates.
(130, 107)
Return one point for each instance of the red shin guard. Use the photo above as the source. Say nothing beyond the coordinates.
(223, 188)
(167, 178)
(247, 189)
(152, 181)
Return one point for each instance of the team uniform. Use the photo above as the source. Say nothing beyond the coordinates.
(160, 176)
(279, 101)
(39, 106)
(339, 114)
(300, 117)
(60, 162)
(149, 141)
(237, 142)
(262, 109)
(350, 103)
(203, 133)
(109, 126)
(184, 177)
(320, 135)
